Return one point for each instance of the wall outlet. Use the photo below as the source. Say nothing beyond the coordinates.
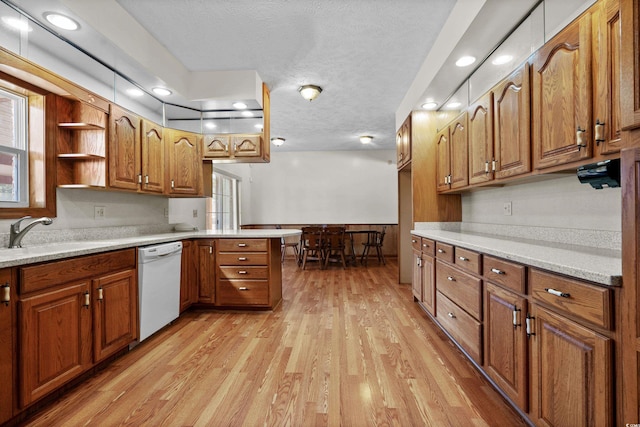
(195, 213)
(99, 212)
(506, 208)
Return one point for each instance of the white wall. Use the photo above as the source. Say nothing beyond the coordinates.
(557, 202)
(325, 187)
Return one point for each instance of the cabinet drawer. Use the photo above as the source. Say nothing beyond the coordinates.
(242, 258)
(588, 302)
(428, 247)
(242, 292)
(444, 252)
(505, 273)
(469, 260)
(462, 288)
(242, 245)
(466, 330)
(241, 272)
(416, 242)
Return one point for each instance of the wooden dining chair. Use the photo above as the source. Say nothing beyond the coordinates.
(312, 245)
(374, 240)
(334, 245)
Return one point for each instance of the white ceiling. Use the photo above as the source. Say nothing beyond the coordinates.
(366, 54)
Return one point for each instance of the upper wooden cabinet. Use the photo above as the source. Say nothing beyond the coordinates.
(562, 128)
(233, 146)
(481, 158)
(512, 125)
(185, 162)
(452, 159)
(403, 143)
(153, 158)
(630, 63)
(124, 149)
(443, 159)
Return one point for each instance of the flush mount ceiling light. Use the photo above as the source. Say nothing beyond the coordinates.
(277, 141)
(239, 105)
(61, 21)
(366, 139)
(465, 61)
(453, 105)
(502, 59)
(247, 114)
(161, 91)
(310, 92)
(135, 92)
(430, 105)
(210, 125)
(258, 126)
(17, 23)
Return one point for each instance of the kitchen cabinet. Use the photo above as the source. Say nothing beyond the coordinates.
(571, 372)
(80, 142)
(630, 78)
(403, 143)
(188, 275)
(8, 336)
(153, 158)
(481, 158)
(428, 268)
(72, 314)
(607, 48)
(115, 312)
(185, 163)
(232, 146)
(248, 273)
(124, 149)
(206, 271)
(416, 282)
(562, 97)
(452, 158)
(512, 125)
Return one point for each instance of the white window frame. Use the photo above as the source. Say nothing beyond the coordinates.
(235, 201)
(21, 151)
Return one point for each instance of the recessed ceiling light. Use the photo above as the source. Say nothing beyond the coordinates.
(161, 91)
(502, 59)
(465, 61)
(239, 105)
(366, 139)
(247, 113)
(430, 105)
(16, 23)
(453, 105)
(61, 21)
(135, 92)
(210, 125)
(258, 126)
(277, 141)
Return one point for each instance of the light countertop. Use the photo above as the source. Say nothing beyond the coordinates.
(52, 251)
(603, 266)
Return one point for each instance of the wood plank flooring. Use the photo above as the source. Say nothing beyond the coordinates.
(345, 347)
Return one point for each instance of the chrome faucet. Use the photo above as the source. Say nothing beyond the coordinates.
(16, 234)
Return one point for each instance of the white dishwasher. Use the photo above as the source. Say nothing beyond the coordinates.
(158, 286)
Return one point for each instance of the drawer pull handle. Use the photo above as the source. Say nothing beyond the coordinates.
(440, 251)
(243, 288)
(451, 315)
(242, 245)
(451, 279)
(461, 258)
(100, 294)
(557, 293)
(87, 300)
(242, 272)
(242, 258)
(495, 270)
(580, 138)
(516, 318)
(6, 294)
(529, 323)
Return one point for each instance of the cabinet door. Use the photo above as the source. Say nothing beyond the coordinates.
(429, 284)
(481, 140)
(571, 373)
(443, 160)
(206, 272)
(247, 146)
(188, 275)
(506, 343)
(7, 343)
(185, 163)
(115, 313)
(153, 159)
(512, 124)
(459, 153)
(217, 146)
(630, 78)
(406, 141)
(608, 122)
(124, 149)
(562, 131)
(416, 282)
(399, 149)
(55, 339)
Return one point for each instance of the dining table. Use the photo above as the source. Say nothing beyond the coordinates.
(371, 236)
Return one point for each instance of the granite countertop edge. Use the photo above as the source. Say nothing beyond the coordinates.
(601, 266)
(31, 254)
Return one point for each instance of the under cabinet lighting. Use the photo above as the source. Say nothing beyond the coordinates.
(61, 21)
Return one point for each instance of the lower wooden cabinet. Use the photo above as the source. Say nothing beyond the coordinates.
(188, 275)
(416, 282)
(571, 373)
(206, 271)
(7, 343)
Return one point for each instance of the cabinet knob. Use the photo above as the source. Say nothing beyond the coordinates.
(440, 251)
(451, 279)
(451, 315)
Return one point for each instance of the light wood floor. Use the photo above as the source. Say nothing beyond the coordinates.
(345, 347)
